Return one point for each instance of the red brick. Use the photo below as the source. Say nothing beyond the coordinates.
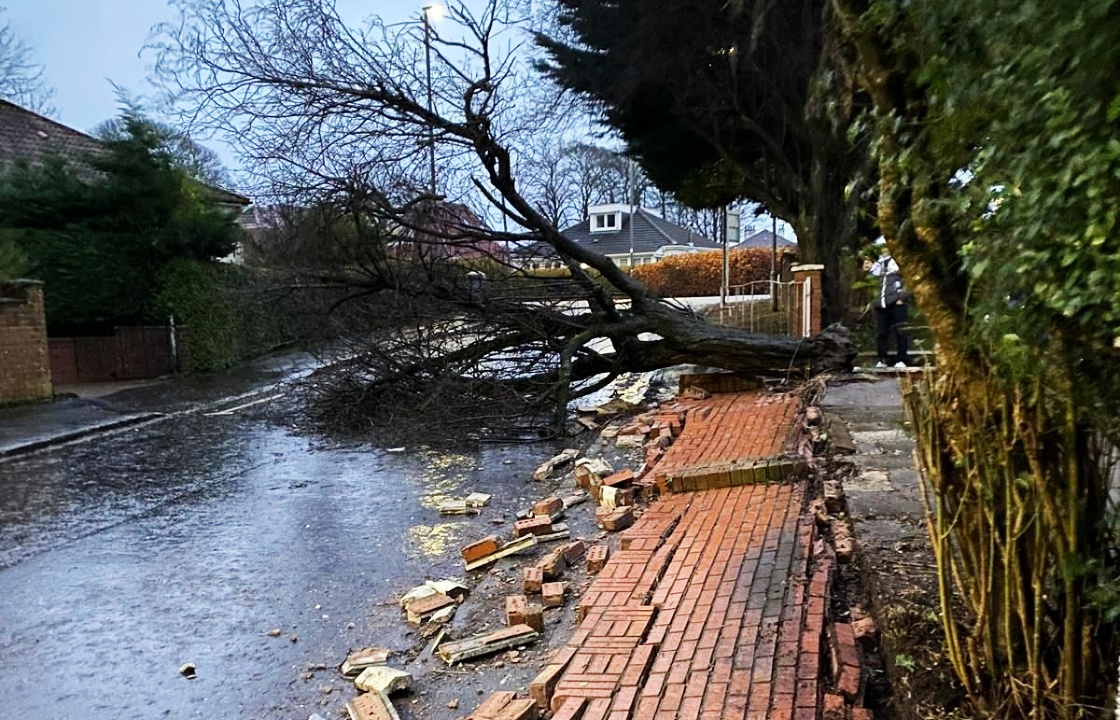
(531, 580)
(532, 526)
(571, 709)
(597, 558)
(834, 708)
(493, 705)
(521, 709)
(370, 706)
(552, 565)
(544, 684)
(548, 507)
(482, 548)
(616, 520)
(619, 479)
(552, 594)
(573, 551)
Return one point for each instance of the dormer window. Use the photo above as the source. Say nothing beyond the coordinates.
(606, 222)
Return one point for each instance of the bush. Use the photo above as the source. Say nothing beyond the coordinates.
(699, 274)
(191, 291)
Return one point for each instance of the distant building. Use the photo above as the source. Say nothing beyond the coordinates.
(445, 230)
(633, 239)
(765, 239)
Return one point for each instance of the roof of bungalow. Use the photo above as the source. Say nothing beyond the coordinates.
(27, 135)
(650, 233)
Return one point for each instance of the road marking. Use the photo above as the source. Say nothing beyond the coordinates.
(232, 410)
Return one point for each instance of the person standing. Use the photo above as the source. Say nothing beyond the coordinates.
(890, 312)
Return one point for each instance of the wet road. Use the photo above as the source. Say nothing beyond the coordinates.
(187, 540)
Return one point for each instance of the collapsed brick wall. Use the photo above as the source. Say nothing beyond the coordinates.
(25, 374)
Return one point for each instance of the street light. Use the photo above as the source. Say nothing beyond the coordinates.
(430, 14)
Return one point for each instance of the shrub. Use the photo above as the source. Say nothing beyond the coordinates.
(698, 274)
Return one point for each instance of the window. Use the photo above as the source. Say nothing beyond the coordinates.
(606, 222)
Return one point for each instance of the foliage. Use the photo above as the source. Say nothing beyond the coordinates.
(721, 102)
(13, 261)
(120, 218)
(191, 291)
(232, 313)
(998, 152)
(701, 274)
(21, 77)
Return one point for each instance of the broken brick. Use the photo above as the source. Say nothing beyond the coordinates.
(597, 558)
(544, 684)
(573, 551)
(532, 526)
(552, 594)
(553, 564)
(493, 705)
(531, 580)
(619, 479)
(548, 506)
(616, 520)
(482, 548)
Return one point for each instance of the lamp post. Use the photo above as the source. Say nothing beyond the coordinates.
(429, 13)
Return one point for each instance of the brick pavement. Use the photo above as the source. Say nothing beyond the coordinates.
(716, 605)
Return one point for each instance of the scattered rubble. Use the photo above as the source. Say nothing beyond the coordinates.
(371, 706)
(487, 644)
(362, 658)
(555, 462)
(383, 679)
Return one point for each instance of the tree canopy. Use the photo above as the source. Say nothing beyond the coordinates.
(722, 102)
(99, 232)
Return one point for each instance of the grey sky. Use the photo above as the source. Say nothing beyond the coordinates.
(85, 44)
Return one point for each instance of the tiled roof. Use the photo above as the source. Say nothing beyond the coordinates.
(651, 233)
(25, 135)
(764, 240)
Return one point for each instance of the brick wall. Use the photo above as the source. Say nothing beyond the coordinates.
(808, 302)
(24, 364)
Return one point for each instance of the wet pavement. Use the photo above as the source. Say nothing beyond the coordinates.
(125, 555)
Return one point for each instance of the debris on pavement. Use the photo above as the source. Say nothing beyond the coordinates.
(421, 610)
(188, 671)
(480, 645)
(478, 500)
(555, 462)
(371, 706)
(362, 658)
(383, 679)
(522, 611)
(457, 507)
(505, 705)
(523, 543)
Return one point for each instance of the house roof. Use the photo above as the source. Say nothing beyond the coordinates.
(26, 135)
(651, 233)
(764, 239)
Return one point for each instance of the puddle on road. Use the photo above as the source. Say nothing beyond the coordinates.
(136, 553)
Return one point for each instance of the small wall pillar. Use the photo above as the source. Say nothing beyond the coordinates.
(808, 301)
(25, 371)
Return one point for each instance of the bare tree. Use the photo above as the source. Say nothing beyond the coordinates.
(339, 113)
(21, 78)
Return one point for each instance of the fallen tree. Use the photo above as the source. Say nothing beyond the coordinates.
(330, 114)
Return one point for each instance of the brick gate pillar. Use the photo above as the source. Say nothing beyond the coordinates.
(808, 298)
(25, 370)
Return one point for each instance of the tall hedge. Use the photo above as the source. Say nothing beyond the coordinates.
(699, 274)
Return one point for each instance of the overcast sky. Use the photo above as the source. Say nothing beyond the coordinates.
(86, 45)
